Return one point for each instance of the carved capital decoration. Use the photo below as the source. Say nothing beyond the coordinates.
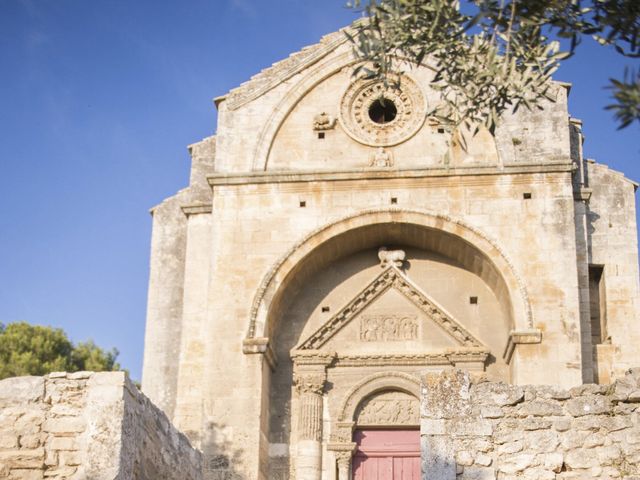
(407, 100)
(343, 459)
(309, 382)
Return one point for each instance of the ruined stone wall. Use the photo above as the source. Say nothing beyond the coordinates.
(482, 430)
(88, 426)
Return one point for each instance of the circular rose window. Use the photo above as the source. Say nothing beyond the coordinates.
(374, 115)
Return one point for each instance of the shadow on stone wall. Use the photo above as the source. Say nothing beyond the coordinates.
(220, 458)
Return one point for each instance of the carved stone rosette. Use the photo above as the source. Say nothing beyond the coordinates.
(407, 98)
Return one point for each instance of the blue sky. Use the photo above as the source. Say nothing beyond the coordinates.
(98, 101)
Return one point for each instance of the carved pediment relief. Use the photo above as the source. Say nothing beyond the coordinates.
(390, 326)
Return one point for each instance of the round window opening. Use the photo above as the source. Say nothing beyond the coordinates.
(382, 111)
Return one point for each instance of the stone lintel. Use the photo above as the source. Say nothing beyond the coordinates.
(250, 178)
(521, 337)
(260, 345)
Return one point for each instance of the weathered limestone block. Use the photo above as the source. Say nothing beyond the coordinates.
(540, 408)
(588, 405)
(546, 434)
(79, 426)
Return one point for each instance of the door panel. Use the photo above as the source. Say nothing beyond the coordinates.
(387, 455)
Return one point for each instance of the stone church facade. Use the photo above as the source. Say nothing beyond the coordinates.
(332, 248)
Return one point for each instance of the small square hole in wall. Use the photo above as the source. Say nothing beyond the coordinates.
(303, 204)
(473, 300)
(394, 200)
(441, 130)
(320, 135)
(325, 309)
(526, 195)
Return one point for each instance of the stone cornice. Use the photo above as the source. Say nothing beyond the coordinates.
(196, 209)
(521, 337)
(252, 178)
(450, 357)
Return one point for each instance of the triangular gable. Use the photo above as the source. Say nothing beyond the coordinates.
(281, 71)
(391, 277)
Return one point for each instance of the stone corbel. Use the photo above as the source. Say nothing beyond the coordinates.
(521, 337)
(471, 359)
(583, 194)
(260, 345)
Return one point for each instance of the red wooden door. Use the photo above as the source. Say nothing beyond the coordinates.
(387, 455)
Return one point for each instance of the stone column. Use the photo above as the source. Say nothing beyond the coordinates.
(309, 373)
(308, 460)
(343, 459)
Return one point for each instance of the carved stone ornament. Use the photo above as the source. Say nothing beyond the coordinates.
(391, 257)
(388, 328)
(389, 409)
(323, 121)
(408, 102)
(309, 382)
(381, 159)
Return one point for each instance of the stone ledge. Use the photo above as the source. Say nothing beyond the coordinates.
(521, 337)
(249, 178)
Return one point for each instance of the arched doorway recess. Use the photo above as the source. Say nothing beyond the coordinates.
(336, 310)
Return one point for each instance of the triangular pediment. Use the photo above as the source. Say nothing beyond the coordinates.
(392, 279)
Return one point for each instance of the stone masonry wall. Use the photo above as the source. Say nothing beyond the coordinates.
(473, 429)
(87, 425)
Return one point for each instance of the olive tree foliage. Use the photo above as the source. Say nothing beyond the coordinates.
(492, 56)
(35, 350)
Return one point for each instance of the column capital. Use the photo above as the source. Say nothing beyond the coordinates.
(309, 382)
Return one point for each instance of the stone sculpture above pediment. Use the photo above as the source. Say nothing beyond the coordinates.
(370, 325)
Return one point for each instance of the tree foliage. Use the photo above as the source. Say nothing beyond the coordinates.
(35, 350)
(491, 56)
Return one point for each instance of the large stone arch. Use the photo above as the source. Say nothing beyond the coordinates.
(325, 68)
(472, 247)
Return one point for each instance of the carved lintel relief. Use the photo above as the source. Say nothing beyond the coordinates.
(388, 328)
(391, 408)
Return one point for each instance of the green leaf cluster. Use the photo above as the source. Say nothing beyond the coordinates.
(492, 56)
(36, 350)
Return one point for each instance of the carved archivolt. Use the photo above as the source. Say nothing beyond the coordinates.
(273, 279)
(391, 277)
